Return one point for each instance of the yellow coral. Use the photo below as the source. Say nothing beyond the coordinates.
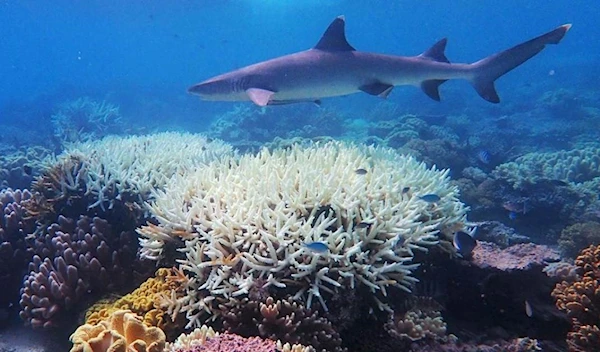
(122, 332)
(144, 301)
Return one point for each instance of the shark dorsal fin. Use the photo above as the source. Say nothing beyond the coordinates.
(436, 52)
(334, 38)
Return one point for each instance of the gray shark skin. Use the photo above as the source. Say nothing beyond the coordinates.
(334, 68)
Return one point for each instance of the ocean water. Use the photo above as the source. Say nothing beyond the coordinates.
(140, 57)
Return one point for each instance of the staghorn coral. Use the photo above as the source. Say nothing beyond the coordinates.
(123, 331)
(423, 320)
(249, 219)
(86, 119)
(146, 301)
(128, 169)
(74, 259)
(284, 320)
(581, 301)
(15, 225)
(576, 237)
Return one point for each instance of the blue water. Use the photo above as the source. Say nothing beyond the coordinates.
(143, 55)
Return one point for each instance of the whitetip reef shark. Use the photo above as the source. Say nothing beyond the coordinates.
(334, 68)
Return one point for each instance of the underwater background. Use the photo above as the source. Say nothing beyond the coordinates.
(99, 139)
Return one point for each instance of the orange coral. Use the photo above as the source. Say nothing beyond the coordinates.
(581, 301)
(145, 301)
(122, 331)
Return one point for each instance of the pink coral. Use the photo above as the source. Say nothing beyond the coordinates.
(518, 257)
(231, 342)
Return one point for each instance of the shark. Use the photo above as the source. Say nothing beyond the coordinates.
(333, 67)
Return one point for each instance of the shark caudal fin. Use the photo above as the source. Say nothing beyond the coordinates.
(486, 71)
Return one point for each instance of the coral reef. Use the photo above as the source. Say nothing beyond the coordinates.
(577, 166)
(130, 168)
(122, 331)
(524, 256)
(581, 301)
(86, 119)
(74, 260)
(205, 339)
(423, 320)
(15, 225)
(18, 168)
(284, 320)
(250, 219)
(248, 127)
(576, 237)
(145, 301)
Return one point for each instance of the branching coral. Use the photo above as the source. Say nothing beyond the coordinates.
(284, 320)
(129, 168)
(423, 320)
(250, 219)
(122, 331)
(15, 225)
(581, 301)
(86, 119)
(577, 166)
(74, 259)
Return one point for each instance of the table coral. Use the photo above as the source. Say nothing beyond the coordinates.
(122, 331)
(250, 219)
(581, 301)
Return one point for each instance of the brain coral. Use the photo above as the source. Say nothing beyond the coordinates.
(250, 218)
(581, 301)
(576, 166)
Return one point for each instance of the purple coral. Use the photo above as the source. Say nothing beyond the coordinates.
(231, 342)
(14, 254)
(73, 259)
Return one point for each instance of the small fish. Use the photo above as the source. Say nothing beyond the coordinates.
(484, 156)
(405, 190)
(528, 309)
(360, 171)
(363, 225)
(512, 215)
(430, 198)
(464, 243)
(317, 247)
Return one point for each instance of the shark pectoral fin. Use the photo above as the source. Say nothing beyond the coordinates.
(380, 89)
(431, 88)
(259, 96)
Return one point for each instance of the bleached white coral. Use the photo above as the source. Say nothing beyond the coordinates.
(250, 218)
(136, 165)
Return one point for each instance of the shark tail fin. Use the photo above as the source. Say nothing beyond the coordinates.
(486, 71)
